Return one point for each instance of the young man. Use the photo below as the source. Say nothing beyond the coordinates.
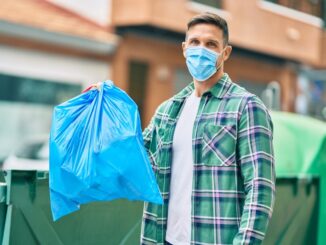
(211, 150)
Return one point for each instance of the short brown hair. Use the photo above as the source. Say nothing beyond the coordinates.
(214, 19)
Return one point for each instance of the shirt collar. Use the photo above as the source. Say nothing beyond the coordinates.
(219, 89)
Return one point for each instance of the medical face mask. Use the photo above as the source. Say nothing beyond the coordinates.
(201, 62)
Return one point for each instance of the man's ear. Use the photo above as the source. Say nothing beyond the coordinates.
(184, 49)
(227, 52)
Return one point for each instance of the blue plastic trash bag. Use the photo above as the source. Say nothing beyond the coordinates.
(97, 152)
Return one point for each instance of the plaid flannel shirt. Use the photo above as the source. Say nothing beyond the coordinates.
(233, 178)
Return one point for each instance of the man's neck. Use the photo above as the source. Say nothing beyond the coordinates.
(202, 87)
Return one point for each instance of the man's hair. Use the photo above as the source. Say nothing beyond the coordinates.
(213, 19)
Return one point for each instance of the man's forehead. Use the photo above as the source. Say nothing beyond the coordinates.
(205, 31)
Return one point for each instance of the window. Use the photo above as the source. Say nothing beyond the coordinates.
(211, 3)
(311, 96)
(26, 106)
(30, 90)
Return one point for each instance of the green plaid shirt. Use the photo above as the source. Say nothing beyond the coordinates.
(233, 177)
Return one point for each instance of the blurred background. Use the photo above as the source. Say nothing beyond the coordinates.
(50, 50)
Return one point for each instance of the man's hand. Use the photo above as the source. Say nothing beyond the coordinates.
(93, 86)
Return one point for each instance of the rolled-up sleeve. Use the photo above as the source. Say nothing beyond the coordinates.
(147, 134)
(256, 160)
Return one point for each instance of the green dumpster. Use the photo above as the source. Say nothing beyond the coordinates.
(300, 154)
(3, 206)
(28, 219)
(298, 218)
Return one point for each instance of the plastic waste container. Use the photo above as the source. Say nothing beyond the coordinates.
(28, 217)
(300, 155)
(3, 205)
(298, 218)
(296, 210)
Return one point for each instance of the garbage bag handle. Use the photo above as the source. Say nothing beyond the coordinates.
(93, 86)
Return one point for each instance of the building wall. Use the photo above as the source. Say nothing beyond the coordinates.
(58, 67)
(254, 24)
(269, 28)
(163, 58)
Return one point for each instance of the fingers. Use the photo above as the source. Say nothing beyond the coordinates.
(93, 86)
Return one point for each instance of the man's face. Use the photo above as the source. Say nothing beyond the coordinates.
(208, 36)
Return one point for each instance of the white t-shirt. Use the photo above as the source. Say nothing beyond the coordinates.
(179, 212)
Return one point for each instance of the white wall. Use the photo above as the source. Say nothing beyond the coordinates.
(98, 11)
(18, 120)
(23, 62)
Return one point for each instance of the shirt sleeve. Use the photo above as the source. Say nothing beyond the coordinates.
(147, 134)
(149, 143)
(255, 157)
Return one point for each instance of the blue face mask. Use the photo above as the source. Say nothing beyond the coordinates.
(201, 62)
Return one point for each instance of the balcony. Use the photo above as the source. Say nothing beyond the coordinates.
(163, 14)
(259, 25)
(311, 7)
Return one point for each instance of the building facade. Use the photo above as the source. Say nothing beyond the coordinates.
(278, 49)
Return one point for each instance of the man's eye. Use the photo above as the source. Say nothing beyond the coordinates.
(211, 44)
(194, 42)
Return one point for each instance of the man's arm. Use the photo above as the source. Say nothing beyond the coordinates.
(256, 160)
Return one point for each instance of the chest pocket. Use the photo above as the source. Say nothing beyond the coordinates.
(219, 145)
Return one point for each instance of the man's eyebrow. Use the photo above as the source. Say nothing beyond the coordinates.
(190, 38)
(193, 37)
(214, 41)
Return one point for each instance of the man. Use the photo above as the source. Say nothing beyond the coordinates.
(211, 150)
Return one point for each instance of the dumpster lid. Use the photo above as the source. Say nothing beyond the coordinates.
(32, 154)
(299, 144)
